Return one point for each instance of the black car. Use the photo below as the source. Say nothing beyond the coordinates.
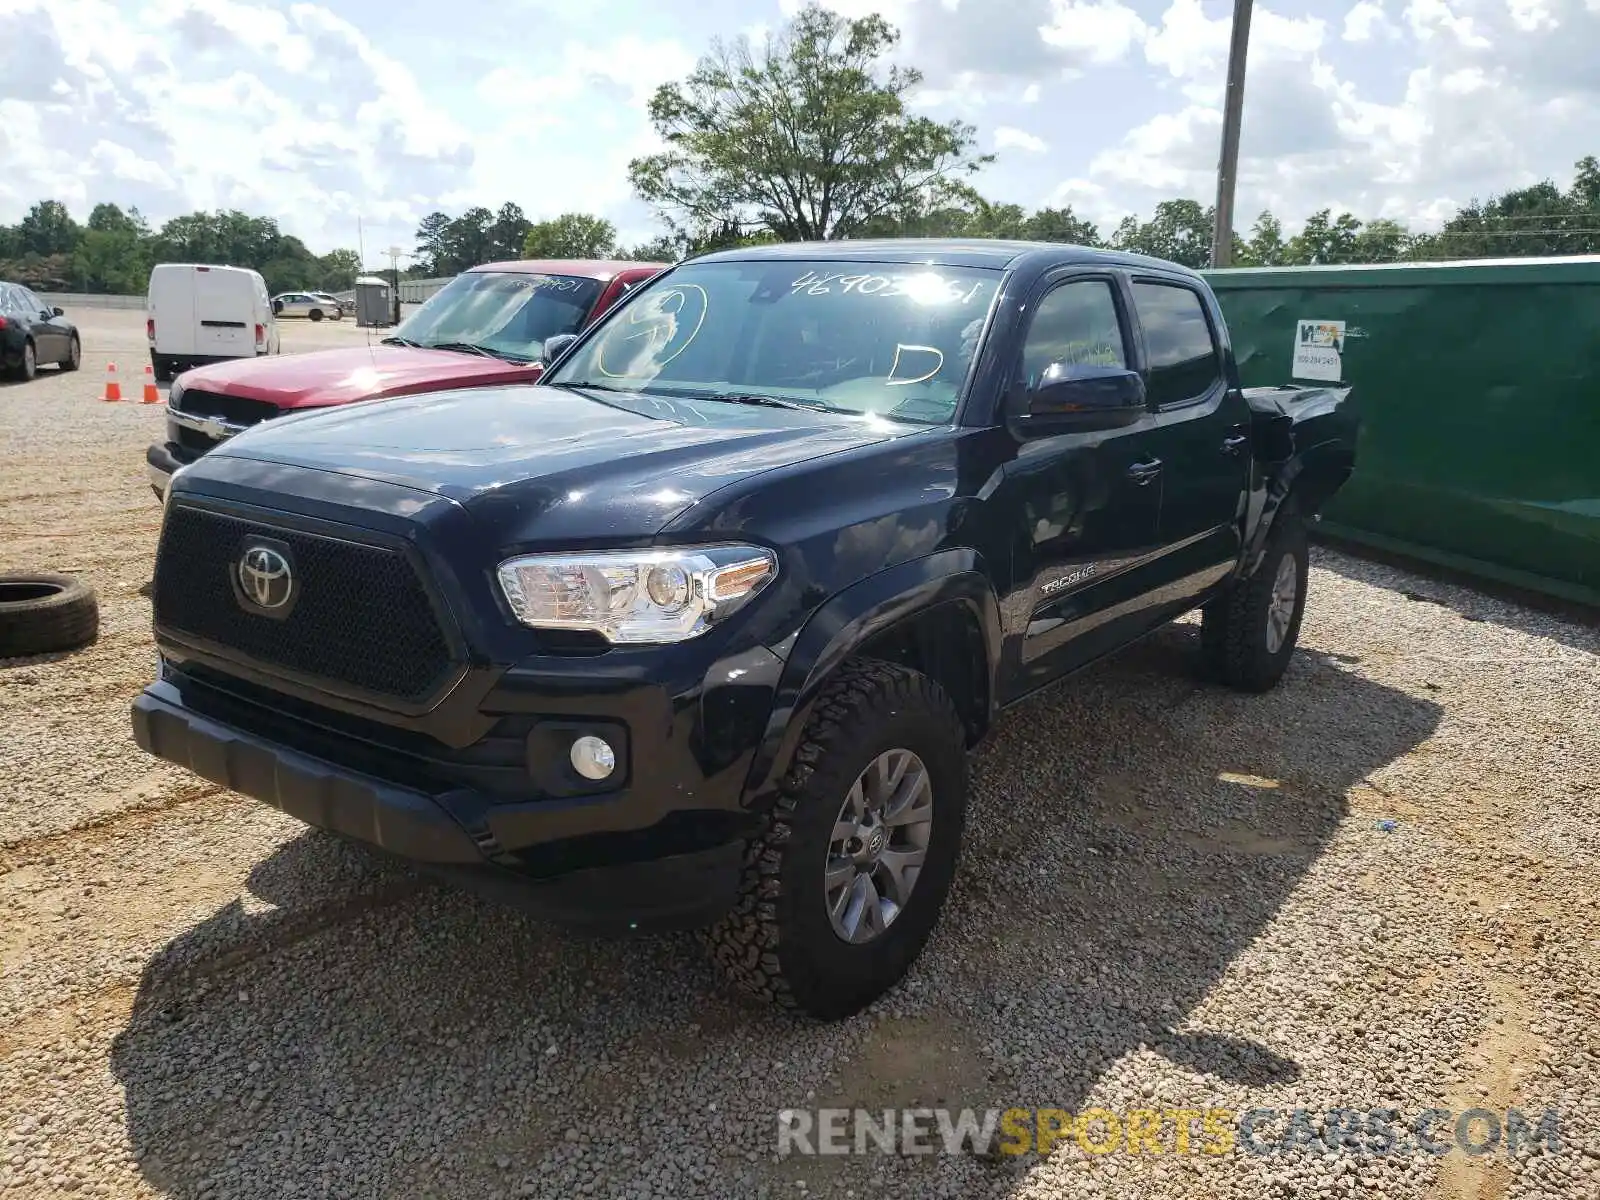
(699, 629)
(32, 332)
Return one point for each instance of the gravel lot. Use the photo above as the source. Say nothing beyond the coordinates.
(1173, 897)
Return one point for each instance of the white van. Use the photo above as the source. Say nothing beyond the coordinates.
(199, 314)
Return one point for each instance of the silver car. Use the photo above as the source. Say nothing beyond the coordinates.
(314, 305)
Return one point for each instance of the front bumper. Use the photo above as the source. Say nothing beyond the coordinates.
(454, 833)
(161, 464)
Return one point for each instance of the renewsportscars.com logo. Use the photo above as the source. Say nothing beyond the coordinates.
(1216, 1131)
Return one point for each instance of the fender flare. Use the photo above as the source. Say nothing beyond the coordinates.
(846, 622)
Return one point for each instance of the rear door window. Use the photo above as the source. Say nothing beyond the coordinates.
(1183, 360)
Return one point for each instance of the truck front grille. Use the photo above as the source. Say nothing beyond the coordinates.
(238, 409)
(362, 617)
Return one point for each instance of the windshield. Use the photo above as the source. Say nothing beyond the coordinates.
(893, 340)
(508, 313)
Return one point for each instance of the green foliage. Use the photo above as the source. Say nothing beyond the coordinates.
(808, 138)
(1180, 232)
(114, 251)
(571, 235)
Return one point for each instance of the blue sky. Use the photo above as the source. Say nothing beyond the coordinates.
(318, 114)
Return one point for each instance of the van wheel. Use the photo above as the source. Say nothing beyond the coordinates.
(316, 314)
(843, 887)
(40, 614)
(1248, 634)
(74, 355)
(163, 370)
(277, 308)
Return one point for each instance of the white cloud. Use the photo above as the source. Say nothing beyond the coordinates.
(315, 113)
(1367, 20)
(1100, 31)
(1008, 138)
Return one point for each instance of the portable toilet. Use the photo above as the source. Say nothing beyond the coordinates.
(374, 301)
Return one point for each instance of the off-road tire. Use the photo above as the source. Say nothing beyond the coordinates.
(778, 943)
(74, 355)
(1233, 628)
(42, 614)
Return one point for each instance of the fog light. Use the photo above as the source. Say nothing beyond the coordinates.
(593, 757)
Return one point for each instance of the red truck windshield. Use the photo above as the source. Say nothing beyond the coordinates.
(507, 313)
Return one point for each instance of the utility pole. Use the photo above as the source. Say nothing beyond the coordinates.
(1232, 117)
(395, 254)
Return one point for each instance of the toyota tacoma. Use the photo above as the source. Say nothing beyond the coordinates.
(699, 629)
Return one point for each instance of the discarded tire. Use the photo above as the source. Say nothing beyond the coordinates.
(40, 614)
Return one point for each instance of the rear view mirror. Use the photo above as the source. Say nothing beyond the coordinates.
(1074, 396)
(554, 346)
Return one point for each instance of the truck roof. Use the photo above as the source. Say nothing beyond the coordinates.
(587, 268)
(944, 252)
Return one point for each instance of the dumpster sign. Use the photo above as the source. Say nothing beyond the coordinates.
(1319, 351)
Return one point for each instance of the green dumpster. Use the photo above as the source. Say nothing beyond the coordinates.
(1478, 385)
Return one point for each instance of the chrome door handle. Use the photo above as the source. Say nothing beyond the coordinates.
(1143, 473)
(1232, 445)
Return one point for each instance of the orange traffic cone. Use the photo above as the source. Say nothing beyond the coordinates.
(113, 388)
(151, 396)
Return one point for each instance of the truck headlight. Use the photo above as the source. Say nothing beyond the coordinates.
(636, 596)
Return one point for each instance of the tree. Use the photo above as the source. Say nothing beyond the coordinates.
(1180, 232)
(1325, 239)
(433, 240)
(509, 231)
(338, 269)
(571, 235)
(663, 249)
(48, 229)
(468, 241)
(810, 138)
(1266, 247)
(1380, 241)
(1060, 225)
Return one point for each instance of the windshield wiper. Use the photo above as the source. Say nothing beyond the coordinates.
(591, 387)
(400, 341)
(463, 347)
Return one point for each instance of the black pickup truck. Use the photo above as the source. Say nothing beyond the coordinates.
(699, 629)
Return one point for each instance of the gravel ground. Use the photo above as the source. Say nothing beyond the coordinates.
(1172, 897)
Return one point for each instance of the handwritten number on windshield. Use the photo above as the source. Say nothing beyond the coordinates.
(924, 287)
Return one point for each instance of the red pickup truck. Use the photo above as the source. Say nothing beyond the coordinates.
(487, 326)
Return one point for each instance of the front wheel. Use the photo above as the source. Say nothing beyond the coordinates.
(844, 886)
(1248, 634)
(74, 356)
(316, 314)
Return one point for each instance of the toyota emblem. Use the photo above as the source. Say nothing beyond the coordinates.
(266, 580)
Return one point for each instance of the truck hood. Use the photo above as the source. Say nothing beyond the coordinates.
(540, 463)
(326, 377)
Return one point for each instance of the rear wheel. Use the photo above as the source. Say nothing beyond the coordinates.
(1248, 634)
(844, 886)
(28, 365)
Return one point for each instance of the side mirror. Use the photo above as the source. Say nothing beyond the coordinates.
(1071, 396)
(57, 312)
(554, 346)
